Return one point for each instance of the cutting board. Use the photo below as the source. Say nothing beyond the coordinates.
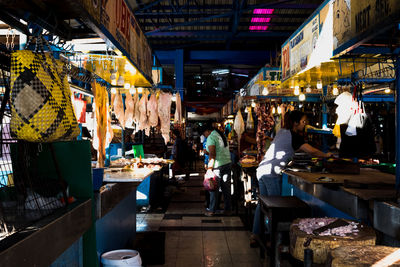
(321, 245)
(361, 256)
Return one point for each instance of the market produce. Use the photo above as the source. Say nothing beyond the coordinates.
(130, 108)
(143, 119)
(119, 109)
(178, 109)
(304, 234)
(152, 110)
(164, 113)
(360, 256)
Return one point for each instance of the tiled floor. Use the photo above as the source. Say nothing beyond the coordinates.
(193, 239)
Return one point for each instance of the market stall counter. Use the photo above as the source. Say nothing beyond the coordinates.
(350, 196)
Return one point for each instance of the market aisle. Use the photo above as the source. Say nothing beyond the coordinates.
(192, 239)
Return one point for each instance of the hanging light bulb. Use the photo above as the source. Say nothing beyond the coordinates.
(253, 104)
(302, 97)
(113, 90)
(308, 89)
(132, 91)
(114, 82)
(127, 86)
(173, 98)
(387, 90)
(319, 85)
(246, 110)
(296, 90)
(335, 90)
(279, 110)
(273, 110)
(140, 90)
(265, 91)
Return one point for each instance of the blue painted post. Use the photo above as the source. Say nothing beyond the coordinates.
(179, 63)
(398, 125)
(324, 118)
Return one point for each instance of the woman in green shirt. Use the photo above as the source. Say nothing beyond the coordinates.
(219, 164)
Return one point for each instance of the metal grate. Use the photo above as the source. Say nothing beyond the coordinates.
(26, 196)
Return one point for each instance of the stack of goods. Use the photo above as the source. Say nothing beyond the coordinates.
(266, 123)
(323, 234)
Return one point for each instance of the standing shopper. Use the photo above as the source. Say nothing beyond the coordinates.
(288, 140)
(219, 164)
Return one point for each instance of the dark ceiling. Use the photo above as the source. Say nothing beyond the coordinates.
(239, 35)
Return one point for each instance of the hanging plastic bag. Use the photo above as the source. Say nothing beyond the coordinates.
(210, 183)
(357, 120)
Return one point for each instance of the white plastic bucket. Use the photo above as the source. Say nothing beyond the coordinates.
(121, 257)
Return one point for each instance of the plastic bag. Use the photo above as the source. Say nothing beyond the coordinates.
(357, 120)
(210, 183)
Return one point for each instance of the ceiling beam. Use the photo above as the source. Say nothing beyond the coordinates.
(143, 16)
(216, 35)
(227, 23)
(227, 14)
(217, 57)
(277, 5)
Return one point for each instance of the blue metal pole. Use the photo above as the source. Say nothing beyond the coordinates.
(397, 124)
(179, 63)
(324, 118)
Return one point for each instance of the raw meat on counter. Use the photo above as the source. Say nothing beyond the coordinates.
(152, 110)
(136, 112)
(130, 108)
(164, 113)
(119, 109)
(308, 225)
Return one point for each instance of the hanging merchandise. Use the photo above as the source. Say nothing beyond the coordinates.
(40, 97)
(103, 133)
(178, 109)
(164, 113)
(239, 126)
(119, 109)
(266, 123)
(79, 108)
(136, 113)
(143, 119)
(129, 111)
(152, 110)
(358, 115)
(250, 120)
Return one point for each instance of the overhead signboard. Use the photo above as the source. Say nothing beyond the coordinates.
(355, 19)
(308, 46)
(119, 21)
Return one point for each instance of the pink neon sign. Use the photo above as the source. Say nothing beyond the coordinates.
(260, 11)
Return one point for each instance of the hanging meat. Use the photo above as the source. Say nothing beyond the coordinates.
(136, 112)
(102, 132)
(178, 109)
(164, 113)
(265, 124)
(152, 110)
(238, 126)
(250, 120)
(129, 111)
(119, 109)
(143, 119)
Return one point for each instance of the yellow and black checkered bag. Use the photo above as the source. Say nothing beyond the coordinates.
(40, 99)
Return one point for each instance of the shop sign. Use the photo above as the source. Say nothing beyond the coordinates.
(118, 19)
(285, 62)
(353, 18)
